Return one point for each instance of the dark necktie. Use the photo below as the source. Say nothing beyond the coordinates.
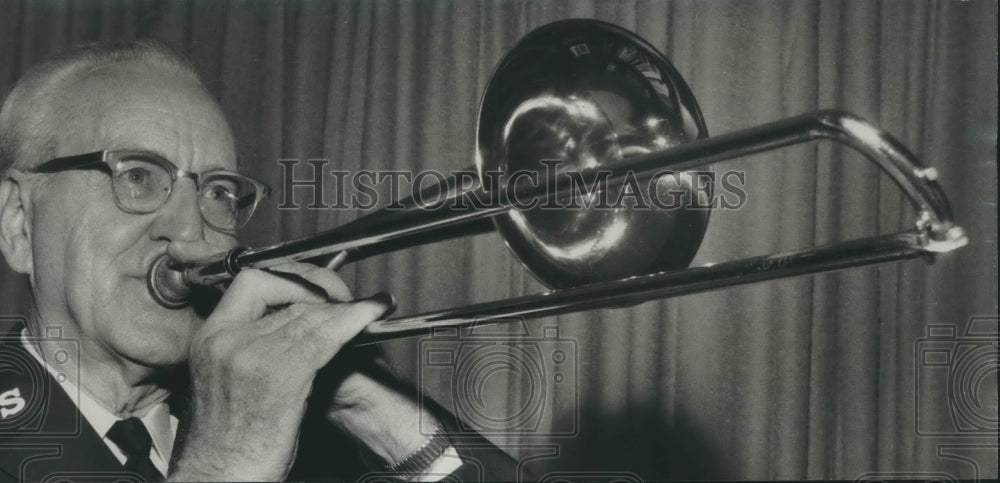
(133, 439)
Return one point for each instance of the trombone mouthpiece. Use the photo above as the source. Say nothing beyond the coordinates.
(166, 285)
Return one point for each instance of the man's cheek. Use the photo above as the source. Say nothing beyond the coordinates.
(95, 268)
(220, 240)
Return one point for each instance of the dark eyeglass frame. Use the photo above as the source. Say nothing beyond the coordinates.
(108, 159)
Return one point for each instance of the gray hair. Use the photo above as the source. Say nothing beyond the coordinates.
(30, 110)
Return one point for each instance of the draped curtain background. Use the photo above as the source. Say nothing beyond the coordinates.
(810, 377)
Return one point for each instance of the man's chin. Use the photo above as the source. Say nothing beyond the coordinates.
(165, 332)
(160, 340)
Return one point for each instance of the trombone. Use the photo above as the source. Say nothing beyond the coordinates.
(610, 108)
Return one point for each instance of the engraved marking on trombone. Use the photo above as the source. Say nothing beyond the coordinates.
(628, 54)
(774, 262)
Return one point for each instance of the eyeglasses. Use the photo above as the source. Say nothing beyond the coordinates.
(142, 183)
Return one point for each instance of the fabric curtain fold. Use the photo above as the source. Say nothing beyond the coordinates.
(811, 377)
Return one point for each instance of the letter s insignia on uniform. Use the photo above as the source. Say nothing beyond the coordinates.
(11, 403)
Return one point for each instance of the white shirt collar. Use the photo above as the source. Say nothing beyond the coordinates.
(162, 426)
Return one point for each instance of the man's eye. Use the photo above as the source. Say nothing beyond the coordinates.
(137, 176)
(218, 192)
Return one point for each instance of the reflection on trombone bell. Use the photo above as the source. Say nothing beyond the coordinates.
(602, 99)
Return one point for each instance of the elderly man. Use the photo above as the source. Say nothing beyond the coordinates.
(113, 156)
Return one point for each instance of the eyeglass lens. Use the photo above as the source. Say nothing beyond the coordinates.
(143, 186)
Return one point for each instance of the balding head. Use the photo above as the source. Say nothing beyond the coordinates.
(35, 104)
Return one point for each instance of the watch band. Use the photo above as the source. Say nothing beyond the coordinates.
(421, 459)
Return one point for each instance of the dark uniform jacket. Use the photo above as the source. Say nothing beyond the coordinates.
(43, 437)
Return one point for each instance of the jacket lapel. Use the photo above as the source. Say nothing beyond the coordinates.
(42, 433)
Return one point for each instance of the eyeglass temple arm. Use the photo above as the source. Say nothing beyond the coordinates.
(95, 159)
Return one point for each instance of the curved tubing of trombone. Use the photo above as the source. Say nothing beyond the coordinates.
(936, 230)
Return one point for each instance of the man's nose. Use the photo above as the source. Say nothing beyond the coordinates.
(180, 217)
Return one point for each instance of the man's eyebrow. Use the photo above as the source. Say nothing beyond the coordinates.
(217, 168)
(142, 150)
(168, 158)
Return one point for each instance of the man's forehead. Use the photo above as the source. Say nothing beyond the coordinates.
(124, 107)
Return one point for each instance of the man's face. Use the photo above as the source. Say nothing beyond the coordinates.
(90, 258)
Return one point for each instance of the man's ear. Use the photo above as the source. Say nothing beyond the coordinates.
(15, 229)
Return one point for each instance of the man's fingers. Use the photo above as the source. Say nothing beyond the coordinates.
(327, 280)
(253, 291)
(354, 317)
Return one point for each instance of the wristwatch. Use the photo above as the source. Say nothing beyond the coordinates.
(418, 461)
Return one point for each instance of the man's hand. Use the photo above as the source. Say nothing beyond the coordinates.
(376, 409)
(252, 368)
